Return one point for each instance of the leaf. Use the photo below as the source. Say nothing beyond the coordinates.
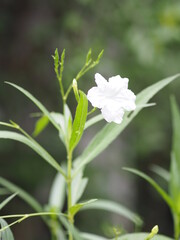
(162, 193)
(75, 208)
(40, 125)
(142, 236)
(110, 132)
(79, 121)
(57, 192)
(174, 186)
(6, 234)
(21, 193)
(37, 103)
(115, 208)
(90, 236)
(161, 172)
(34, 145)
(78, 186)
(93, 120)
(65, 122)
(7, 200)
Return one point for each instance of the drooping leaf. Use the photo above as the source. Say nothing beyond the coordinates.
(79, 121)
(7, 200)
(6, 234)
(174, 186)
(110, 132)
(22, 194)
(37, 103)
(34, 145)
(115, 208)
(75, 208)
(57, 193)
(162, 193)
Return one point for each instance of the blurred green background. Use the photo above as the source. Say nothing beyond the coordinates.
(141, 40)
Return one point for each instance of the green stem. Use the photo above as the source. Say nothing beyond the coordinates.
(69, 185)
(176, 226)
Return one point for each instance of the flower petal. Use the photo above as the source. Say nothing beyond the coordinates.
(96, 97)
(100, 81)
(112, 116)
(117, 81)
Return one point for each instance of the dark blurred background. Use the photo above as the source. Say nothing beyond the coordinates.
(141, 40)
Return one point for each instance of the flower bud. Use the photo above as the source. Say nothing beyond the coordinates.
(75, 89)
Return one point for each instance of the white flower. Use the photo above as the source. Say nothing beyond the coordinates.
(113, 97)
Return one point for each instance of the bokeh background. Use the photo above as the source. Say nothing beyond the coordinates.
(141, 40)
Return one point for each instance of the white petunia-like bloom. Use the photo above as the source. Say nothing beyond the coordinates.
(113, 97)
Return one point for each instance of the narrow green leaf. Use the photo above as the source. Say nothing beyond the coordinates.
(161, 172)
(34, 145)
(6, 234)
(78, 186)
(75, 208)
(110, 132)
(174, 186)
(162, 193)
(7, 200)
(40, 125)
(142, 236)
(115, 208)
(22, 194)
(93, 120)
(65, 122)
(79, 121)
(57, 193)
(37, 103)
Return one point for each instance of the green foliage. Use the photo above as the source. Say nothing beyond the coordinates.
(40, 125)
(79, 121)
(116, 208)
(34, 145)
(173, 180)
(21, 193)
(37, 103)
(7, 200)
(75, 208)
(163, 194)
(6, 234)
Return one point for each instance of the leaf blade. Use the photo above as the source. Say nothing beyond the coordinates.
(79, 121)
(115, 208)
(37, 103)
(33, 145)
(162, 193)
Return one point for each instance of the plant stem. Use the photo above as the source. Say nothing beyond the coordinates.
(69, 183)
(176, 226)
